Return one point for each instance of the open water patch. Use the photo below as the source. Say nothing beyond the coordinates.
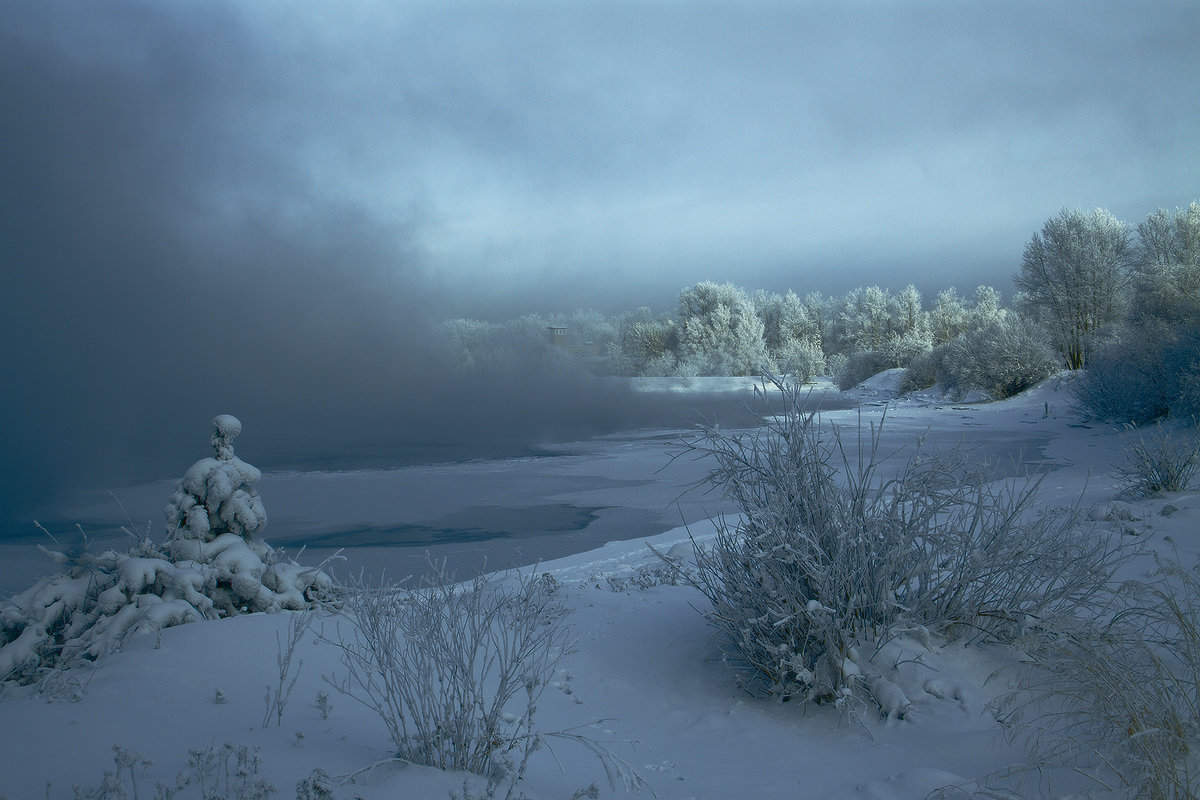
(472, 524)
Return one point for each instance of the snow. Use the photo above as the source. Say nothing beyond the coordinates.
(885, 385)
(645, 663)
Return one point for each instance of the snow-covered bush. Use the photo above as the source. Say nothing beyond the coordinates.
(212, 564)
(829, 558)
(1004, 357)
(1119, 690)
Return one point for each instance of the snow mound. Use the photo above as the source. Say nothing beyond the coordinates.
(881, 386)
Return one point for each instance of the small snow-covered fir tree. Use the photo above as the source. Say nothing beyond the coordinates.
(212, 564)
(213, 519)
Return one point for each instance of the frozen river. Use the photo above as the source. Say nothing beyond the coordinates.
(491, 513)
(477, 503)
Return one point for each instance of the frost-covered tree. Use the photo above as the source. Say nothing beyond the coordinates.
(719, 330)
(878, 329)
(213, 519)
(645, 344)
(819, 309)
(792, 338)
(212, 564)
(780, 315)
(587, 326)
(1166, 278)
(1152, 367)
(911, 336)
(1074, 273)
(909, 315)
(988, 308)
(949, 316)
(901, 350)
(216, 495)
(466, 342)
(866, 319)
(497, 348)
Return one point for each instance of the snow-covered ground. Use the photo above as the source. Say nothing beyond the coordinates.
(645, 662)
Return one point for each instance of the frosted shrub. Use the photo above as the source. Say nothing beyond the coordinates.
(455, 672)
(1004, 358)
(225, 773)
(317, 786)
(1151, 371)
(1164, 461)
(925, 370)
(801, 359)
(276, 697)
(1121, 689)
(1124, 382)
(860, 366)
(212, 564)
(830, 558)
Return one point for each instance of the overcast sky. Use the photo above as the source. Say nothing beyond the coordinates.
(260, 204)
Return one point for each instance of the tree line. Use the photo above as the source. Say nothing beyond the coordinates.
(1094, 293)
